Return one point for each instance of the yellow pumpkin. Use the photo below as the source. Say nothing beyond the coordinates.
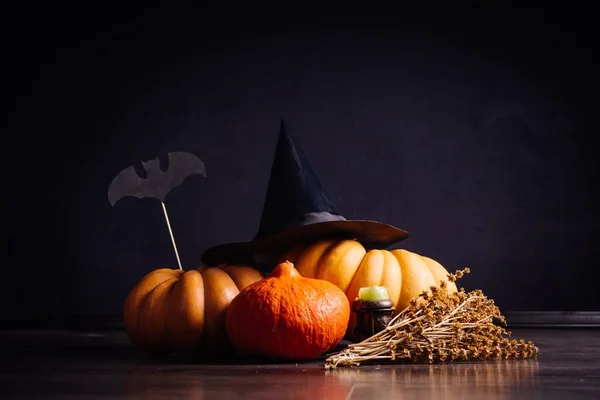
(171, 309)
(349, 266)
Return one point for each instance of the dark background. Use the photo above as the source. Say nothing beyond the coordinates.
(471, 128)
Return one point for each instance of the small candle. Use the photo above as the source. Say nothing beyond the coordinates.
(372, 293)
(374, 309)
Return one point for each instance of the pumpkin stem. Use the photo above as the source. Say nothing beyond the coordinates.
(285, 270)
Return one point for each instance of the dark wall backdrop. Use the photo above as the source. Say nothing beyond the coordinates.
(472, 129)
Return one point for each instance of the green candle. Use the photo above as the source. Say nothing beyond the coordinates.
(373, 293)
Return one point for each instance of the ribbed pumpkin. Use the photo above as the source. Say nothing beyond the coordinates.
(171, 309)
(287, 316)
(349, 266)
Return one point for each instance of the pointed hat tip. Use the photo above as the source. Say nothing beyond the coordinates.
(283, 132)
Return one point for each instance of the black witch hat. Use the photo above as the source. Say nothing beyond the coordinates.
(298, 210)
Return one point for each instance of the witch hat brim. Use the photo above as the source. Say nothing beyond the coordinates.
(298, 210)
(371, 234)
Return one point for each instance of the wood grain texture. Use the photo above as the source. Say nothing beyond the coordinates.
(103, 365)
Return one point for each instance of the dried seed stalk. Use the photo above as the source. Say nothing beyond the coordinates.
(436, 327)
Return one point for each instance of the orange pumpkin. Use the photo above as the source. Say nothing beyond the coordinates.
(287, 316)
(349, 266)
(171, 309)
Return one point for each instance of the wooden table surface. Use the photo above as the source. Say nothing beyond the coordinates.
(104, 365)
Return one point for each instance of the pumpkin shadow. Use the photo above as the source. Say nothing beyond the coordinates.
(225, 382)
(231, 358)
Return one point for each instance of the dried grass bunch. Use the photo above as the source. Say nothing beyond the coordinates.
(438, 326)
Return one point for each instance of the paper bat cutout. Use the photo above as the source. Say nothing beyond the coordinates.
(157, 183)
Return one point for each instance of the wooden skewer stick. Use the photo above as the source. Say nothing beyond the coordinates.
(171, 233)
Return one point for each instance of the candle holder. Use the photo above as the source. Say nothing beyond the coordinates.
(372, 316)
